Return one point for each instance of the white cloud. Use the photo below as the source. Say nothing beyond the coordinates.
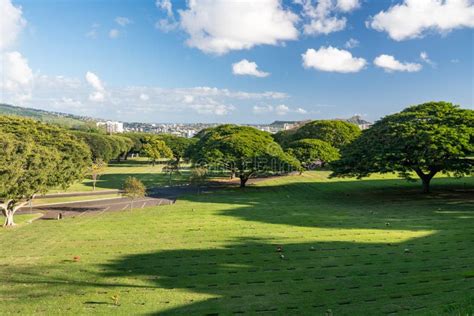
(165, 5)
(351, 43)
(188, 99)
(424, 56)
(348, 5)
(413, 18)
(16, 76)
(139, 103)
(94, 81)
(169, 23)
(114, 33)
(166, 25)
(250, 68)
(390, 64)
(98, 95)
(259, 109)
(212, 107)
(332, 59)
(15, 70)
(322, 16)
(280, 109)
(221, 26)
(122, 21)
(11, 24)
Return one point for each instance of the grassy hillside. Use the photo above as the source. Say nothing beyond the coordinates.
(369, 247)
(66, 120)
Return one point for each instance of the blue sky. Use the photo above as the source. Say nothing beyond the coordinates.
(164, 62)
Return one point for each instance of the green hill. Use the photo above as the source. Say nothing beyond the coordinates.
(63, 119)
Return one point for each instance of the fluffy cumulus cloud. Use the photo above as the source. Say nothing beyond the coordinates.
(249, 68)
(15, 73)
(413, 18)
(390, 64)
(16, 76)
(280, 109)
(11, 24)
(332, 59)
(98, 93)
(218, 27)
(324, 16)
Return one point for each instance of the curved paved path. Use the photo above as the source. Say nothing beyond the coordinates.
(155, 197)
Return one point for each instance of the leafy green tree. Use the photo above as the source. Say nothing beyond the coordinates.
(198, 176)
(121, 146)
(36, 157)
(133, 189)
(138, 140)
(170, 169)
(425, 139)
(310, 151)
(285, 137)
(97, 168)
(244, 149)
(99, 145)
(178, 145)
(155, 149)
(335, 132)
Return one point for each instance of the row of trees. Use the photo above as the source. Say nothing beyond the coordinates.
(425, 140)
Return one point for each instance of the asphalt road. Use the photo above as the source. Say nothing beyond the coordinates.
(162, 196)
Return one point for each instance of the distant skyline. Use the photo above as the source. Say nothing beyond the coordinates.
(235, 61)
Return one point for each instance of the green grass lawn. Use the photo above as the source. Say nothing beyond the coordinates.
(370, 247)
(117, 172)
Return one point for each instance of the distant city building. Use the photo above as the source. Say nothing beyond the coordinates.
(112, 127)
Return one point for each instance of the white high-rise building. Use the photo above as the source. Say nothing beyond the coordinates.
(112, 127)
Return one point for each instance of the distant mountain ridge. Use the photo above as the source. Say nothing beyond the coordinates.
(58, 118)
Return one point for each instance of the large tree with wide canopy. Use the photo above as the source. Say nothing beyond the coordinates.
(36, 157)
(426, 139)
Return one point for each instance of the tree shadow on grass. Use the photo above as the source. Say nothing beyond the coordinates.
(350, 204)
(311, 278)
(379, 246)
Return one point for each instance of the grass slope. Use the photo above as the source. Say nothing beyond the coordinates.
(62, 119)
(352, 247)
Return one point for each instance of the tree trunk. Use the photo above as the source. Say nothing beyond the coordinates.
(426, 185)
(426, 178)
(243, 181)
(10, 211)
(93, 185)
(9, 219)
